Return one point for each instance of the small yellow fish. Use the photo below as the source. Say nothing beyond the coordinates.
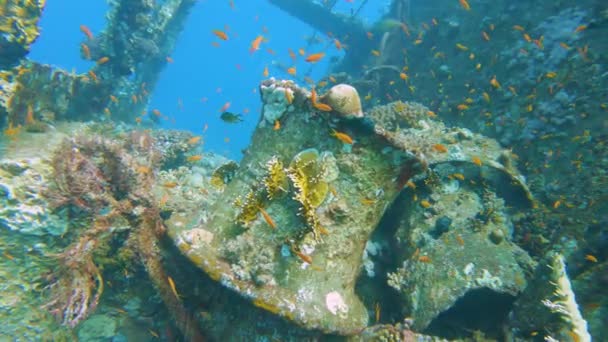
(173, 289)
(494, 82)
(170, 185)
(288, 96)
(462, 107)
(458, 176)
(591, 258)
(486, 97)
(461, 47)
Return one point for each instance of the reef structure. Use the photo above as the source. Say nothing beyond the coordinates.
(293, 238)
(306, 198)
(138, 40)
(548, 304)
(18, 29)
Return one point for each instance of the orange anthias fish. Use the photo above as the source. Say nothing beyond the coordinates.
(29, 117)
(292, 71)
(440, 148)
(338, 44)
(268, 219)
(494, 82)
(465, 4)
(255, 44)
(322, 107)
(194, 158)
(93, 75)
(194, 140)
(225, 107)
(87, 32)
(313, 95)
(103, 60)
(11, 131)
(343, 137)
(85, 51)
(220, 34)
(265, 73)
(304, 257)
(315, 57)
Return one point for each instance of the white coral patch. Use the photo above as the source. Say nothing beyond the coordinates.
(335, 303)
(197, 236)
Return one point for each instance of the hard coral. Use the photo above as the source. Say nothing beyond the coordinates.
(345, 100)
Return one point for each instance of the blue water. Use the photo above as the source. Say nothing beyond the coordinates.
(203, 77)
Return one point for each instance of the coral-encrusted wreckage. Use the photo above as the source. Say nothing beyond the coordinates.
(355, 220)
